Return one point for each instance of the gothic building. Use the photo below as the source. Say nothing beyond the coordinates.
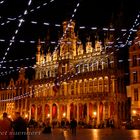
(133, 91)
(14, 97)
(77, 81)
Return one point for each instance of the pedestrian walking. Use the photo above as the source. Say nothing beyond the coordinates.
(20, 127)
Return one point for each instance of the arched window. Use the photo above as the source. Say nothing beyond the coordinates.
(100, 82)
(106, 84)
(95, 85)
(72, 88)
(90, 86)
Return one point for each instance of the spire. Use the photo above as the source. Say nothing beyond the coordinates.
(88, 39)
(38, 51)
(97, 37)
(38, 45)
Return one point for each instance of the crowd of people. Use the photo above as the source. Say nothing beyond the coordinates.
(17, 129)
(13, 130)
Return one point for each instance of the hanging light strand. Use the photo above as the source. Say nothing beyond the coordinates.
(17, 30)
(9, 19)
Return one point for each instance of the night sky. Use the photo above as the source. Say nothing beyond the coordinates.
(90, 13)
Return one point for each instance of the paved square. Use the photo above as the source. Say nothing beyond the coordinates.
(90, 134)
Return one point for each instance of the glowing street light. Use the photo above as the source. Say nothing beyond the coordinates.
(64, 114)
(94, 113)
(48, 115)
(26, 115)
(134, 112)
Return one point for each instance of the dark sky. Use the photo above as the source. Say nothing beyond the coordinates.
(90, 13)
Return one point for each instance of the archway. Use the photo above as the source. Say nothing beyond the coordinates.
(63, 110)
(33, 111)
(47, 111)
(39, 112)
(101, 111)
(71, 111)
(54, 112)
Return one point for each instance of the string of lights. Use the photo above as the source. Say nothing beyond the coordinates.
(72, 16)
(17, 30)
(27, 94)
(133, 26)
(80, 27)
(5, 73)
(18, 60)
(9, 19)
(1, 2)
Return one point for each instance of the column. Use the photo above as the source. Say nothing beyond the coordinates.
(65, 88)
(103, 111)
(50, 112)
(108, 109)
(98, 115)
(30, 104)
(58, 110)
(68, 112)
(87, 112)
(36, 111)
(43, 113)
(77, 112)
(21, 109)
(78, 88)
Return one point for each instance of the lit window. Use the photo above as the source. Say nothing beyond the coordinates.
(135, 77)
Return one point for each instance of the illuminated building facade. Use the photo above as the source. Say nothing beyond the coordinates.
(85, 83)
(13, 98)
(134, 66)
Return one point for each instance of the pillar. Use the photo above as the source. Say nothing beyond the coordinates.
(77, 112)
(50, 112)
(98, 115)
(58, 114)
(104, 111)
(43, 111)
(36, 111)
(68, 112)
(87, 112)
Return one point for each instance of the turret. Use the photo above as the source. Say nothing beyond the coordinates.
(68, 28)
(80, 49)
(38, 52)
(68, 41)
(109, 37)
(89, 48)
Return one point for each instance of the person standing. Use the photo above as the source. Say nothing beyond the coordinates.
(20, 127)
(73, 125)
(5, 127)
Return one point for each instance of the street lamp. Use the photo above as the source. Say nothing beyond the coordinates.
(26, 115)
(48, 115)
(134, 112)
(94, 113)
(64, 114)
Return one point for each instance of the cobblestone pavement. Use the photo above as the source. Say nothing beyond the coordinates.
(89, 134)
